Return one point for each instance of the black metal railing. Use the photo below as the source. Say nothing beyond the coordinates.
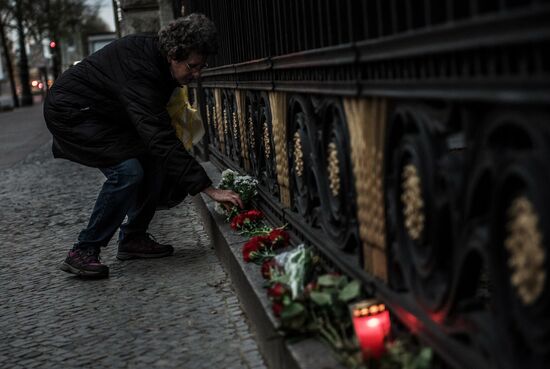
(408, 141)
(255, 29)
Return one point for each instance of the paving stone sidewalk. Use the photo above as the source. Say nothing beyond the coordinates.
(176, 312)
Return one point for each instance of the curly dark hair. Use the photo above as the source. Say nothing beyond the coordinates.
(194, 32)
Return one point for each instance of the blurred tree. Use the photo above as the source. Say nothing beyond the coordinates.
(56, 20)
(5, 19)
(26, 95)
(52, 20)
(14, 11)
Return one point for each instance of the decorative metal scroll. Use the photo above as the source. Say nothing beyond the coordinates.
(335, 177)
(240, 98)
(419, 214)
(252, 133)
(321, 177)
(231, 129)
(268, 160)
(211, 122)
(507, 199)
(302, 142)
(261, 147)
(220, 120)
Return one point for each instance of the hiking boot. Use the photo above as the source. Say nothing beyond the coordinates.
(85, 262)
(142, 246)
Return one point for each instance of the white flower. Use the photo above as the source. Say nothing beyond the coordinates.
(229, 172)
(218, 208)
(245, 185)
(228, 179)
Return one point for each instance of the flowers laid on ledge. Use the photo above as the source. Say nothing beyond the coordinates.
(261, 248)
(309, 300)
(278, 238)
(269, 266)
(257, 249)
(245, 186)
(249, 220)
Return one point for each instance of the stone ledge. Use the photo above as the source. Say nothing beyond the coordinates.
(277, 351)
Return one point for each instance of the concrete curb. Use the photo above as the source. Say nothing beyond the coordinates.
(277, 351)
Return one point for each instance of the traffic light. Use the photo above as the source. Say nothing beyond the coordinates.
(54, 54)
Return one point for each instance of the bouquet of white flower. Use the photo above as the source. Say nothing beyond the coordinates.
(245, 186)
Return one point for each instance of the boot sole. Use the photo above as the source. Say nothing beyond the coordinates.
(137, 255)
(83, 273)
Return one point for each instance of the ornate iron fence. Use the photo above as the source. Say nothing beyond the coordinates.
(409, 142)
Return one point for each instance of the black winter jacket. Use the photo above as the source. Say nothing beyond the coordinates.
(112, 107)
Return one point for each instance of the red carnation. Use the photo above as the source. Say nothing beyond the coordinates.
(267, 266)
(277, 308)
(277, 291)
(279, 238)
(254, 245)
(241, 220)
(254, 214)
(237, 221)
(247, 250)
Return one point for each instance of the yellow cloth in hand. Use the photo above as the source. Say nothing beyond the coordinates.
(186, 120)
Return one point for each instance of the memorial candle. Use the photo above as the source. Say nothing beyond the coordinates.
(371, 322)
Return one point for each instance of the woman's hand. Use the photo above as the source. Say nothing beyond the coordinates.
(225, 197)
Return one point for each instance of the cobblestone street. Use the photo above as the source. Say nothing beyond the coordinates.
(176, 312)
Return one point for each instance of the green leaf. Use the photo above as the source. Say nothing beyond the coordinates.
(292, 310)
(423, 359)
(321, 298)
(329, 280)
(329, 290)
(350, 291)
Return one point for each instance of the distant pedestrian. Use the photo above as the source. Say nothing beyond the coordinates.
(109, 112)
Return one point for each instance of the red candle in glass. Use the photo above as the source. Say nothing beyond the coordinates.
(371, 322)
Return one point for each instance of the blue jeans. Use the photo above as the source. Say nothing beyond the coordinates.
(132, 188)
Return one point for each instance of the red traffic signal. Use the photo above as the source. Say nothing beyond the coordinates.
(52, 44)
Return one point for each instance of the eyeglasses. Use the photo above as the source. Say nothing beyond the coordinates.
(196, 67)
